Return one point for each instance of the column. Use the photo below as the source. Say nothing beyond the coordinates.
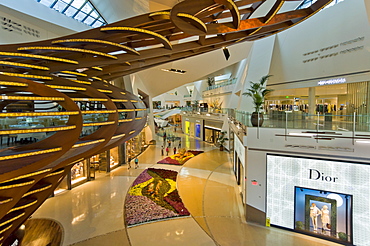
(311, 100)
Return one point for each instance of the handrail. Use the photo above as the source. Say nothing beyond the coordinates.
(336, 121)
(222, 84)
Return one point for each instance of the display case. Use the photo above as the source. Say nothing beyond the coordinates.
(78, 173)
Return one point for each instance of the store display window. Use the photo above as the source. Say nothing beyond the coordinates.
(78, 172)
(197, 130)
(322, 198)
(114, 158)
(325, 213)
(135, 146)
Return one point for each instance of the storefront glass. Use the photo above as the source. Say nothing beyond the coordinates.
(135, 146)
(187, 127)
(114, 158)
(78, 172)
(197, 130)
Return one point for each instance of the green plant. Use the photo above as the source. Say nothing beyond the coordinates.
(222, 138)
(196, 103)
(257, 92)
(210, 81)
(343, 236)
(299, 225)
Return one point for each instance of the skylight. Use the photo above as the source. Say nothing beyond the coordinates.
(307, 3)
(81, 10)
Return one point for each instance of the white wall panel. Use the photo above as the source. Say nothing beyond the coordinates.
(325, 34)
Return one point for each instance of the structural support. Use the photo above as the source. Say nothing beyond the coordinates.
(311, 101)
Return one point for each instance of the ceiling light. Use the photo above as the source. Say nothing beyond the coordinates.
(173, 70)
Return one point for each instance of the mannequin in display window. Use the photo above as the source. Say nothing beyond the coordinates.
(325, 217)
(314, 213)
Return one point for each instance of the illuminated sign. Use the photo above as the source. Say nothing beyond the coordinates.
(332, 81)
(293, 184)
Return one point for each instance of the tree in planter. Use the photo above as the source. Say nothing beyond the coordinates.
(221, 139)
(258, 92)
(195, 105)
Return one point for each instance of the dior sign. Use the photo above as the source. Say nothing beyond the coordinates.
(317, 175)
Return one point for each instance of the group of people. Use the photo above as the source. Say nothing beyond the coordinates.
(167, 142)
(324, 212)
(168, 149)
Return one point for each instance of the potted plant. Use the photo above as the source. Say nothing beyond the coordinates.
(221, 139)
(257, 92)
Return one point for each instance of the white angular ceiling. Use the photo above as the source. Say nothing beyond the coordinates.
(115, 10)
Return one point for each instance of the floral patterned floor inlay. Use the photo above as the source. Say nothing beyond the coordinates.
(181, 157)
(153, 196)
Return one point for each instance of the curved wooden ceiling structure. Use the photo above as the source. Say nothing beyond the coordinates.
(63, 83)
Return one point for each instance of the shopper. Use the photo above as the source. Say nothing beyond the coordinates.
(136, 162)
(167, 150)
(174, 150)
(169, 143)
(129, 163)
(162, 150)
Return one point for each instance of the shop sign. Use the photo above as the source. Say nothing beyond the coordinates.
(317, 175)
(332, 81)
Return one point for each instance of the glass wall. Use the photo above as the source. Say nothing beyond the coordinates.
(114, 160)
(135, 146)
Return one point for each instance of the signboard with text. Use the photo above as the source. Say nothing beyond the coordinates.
(339, 190)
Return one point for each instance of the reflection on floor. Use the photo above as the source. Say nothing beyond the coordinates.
(92, 214)
(42, 232)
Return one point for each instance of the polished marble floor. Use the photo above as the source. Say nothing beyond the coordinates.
(92, 214)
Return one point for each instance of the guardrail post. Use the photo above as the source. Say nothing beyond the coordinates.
(258, 125)
(354, 128)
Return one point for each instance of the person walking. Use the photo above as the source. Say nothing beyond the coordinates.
(162, 150)
(174, 150)
(136, 162)
(167, 150)
(169, 143)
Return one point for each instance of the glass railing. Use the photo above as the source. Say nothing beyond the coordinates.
(201, 110)
(337, 121)
(302, 120)
(222, 84)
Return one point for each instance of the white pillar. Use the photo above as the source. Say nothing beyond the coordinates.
(311, 100)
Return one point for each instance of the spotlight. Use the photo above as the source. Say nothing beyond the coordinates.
(226, 53)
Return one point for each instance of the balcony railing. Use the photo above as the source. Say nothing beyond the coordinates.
(295, 119)
(301, 120)
(205, 110)
(222, 84)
